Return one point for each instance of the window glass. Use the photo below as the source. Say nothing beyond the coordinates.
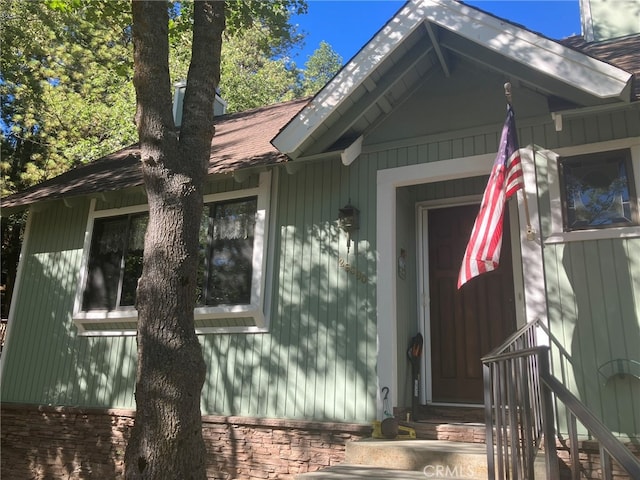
(133, 259)
(105, 258)
(225, 270)
(230, 256)
(203, 264)
(597, 191)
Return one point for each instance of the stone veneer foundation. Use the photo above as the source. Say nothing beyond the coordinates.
(72, 443)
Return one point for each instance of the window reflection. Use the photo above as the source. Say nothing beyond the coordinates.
(225, 270)
(229, 257)
(598, 191)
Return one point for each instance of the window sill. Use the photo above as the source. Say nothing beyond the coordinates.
(236, 319)
(595, 234)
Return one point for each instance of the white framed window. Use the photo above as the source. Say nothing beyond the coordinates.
(231, 274)
(593, 191)
(598, 191)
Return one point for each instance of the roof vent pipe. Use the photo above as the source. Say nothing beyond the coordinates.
(219, 105)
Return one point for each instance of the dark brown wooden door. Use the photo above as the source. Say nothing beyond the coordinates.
(467, 323)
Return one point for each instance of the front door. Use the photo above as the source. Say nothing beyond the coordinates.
(468, 323)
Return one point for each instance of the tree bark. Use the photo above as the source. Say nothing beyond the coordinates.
(166, 440)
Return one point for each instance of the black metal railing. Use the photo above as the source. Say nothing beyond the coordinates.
(519, 394)
(513, 406)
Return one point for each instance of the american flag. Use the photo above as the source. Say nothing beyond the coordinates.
(483, 250)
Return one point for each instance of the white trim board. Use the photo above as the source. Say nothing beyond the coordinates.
(387, 182)
(558, 235)
(258, 309)
(548, 57)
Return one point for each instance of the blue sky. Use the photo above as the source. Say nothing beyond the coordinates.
(347, 25)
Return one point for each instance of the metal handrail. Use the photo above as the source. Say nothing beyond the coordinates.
(519, 394)
(513, 354)
(608, 443)
(511, 339)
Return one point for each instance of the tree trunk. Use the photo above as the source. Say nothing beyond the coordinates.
(166, 440)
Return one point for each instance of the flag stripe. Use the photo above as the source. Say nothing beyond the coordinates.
(483, 250)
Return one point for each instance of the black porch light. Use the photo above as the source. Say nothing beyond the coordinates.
(349, 219)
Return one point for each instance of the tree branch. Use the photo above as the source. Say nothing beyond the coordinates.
(202, 79)
(154, 116)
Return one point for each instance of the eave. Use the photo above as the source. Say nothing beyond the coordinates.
(427, 36)
(242, 142)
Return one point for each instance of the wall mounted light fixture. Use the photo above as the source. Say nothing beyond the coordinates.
(349, 219)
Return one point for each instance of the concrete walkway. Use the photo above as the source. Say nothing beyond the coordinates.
(361, 472)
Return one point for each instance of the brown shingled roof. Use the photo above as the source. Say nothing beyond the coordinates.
(241, 140)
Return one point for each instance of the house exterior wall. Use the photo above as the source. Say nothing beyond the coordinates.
(591, 285)
(601, 20)
(318, 359)
(592, 289)
(593, 315)
(45, 361)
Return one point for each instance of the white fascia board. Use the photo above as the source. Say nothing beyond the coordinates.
(581, 71)
(349, 78)
(352, 152)
(549, 57)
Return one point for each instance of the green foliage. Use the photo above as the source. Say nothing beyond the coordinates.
(11, 229)
(250, 76)
(274, 15)
(320, 68)
(254, 67)
(66, 79)
(65, 86)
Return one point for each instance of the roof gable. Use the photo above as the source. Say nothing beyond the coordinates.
(424, 45)
(422, 38)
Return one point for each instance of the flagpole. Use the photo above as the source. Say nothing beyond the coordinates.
(506, 178)
(530, 232)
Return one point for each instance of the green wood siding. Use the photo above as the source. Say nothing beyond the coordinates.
(592, 290)
(318, 358)
(46, 362)
(593, 314)
(131, 197)
(604, 22)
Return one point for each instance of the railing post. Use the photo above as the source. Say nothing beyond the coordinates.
(529, 446)
(605, 463)
(488, 421)
(519, 382)
(574, 447)
(500, 418)
(550, 453)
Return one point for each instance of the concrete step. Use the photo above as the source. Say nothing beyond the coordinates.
(456, 432)
(360, 472)
(457, 458)
(407, 459)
